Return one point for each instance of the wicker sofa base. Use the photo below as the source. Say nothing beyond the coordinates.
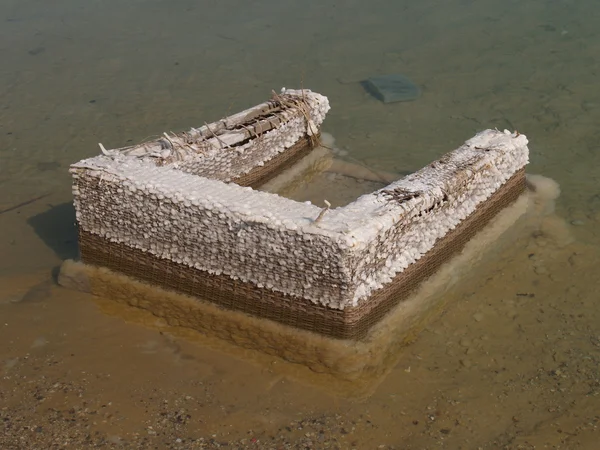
(350, 323)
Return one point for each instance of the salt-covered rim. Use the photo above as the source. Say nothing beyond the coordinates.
(361, 219)
(413, 193)
(231, 132)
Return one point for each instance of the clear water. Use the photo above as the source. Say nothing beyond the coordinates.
(499, 369)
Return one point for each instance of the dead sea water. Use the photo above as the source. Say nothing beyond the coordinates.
(512, 359)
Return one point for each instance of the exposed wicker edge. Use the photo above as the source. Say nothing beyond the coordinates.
(377, 305)
(261, 174)
(350, 323)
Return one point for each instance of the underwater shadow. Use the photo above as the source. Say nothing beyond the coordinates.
(56, 227)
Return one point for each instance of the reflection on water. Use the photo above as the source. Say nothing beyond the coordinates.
(512, 361)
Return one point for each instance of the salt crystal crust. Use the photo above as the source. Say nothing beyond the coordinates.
(174, 211)
(232, 147)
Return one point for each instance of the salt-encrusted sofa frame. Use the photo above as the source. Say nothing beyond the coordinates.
(178, 212)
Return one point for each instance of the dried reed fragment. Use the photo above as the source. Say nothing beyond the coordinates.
(323, 211)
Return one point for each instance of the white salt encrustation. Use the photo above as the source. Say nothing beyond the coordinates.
(185, 210)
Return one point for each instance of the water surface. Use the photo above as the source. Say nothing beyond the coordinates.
(513, 361)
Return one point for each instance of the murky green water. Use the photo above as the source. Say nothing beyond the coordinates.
(499, 370)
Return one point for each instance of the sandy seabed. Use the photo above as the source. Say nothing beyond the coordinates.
(511, 361)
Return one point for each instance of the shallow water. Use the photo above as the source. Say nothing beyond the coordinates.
(513, 360)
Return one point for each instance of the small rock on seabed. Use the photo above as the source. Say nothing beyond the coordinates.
(391, 88)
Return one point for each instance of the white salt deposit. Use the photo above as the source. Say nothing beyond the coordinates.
(274, 242)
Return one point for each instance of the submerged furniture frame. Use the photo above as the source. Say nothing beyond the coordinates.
(181, 212)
